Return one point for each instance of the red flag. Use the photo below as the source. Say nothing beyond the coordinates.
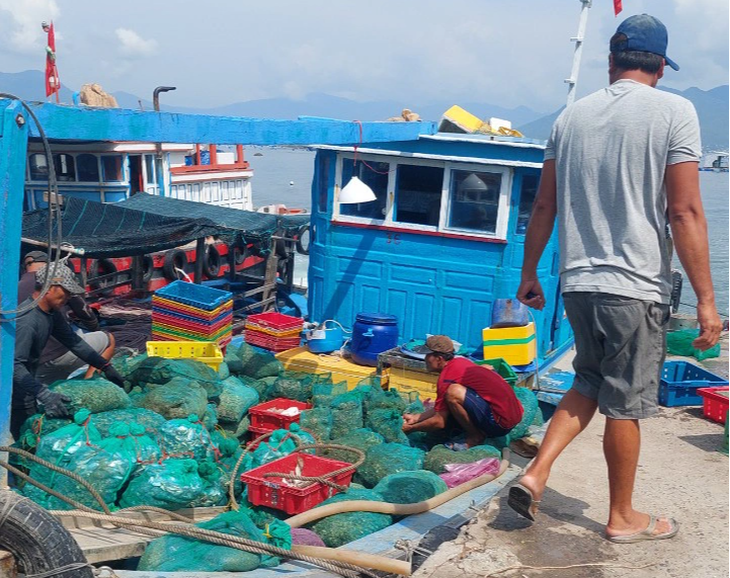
(53, 85)
(617, 7)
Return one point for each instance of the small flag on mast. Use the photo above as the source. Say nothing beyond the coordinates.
(53, 85)
(617, 7)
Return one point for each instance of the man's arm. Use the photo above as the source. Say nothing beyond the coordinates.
(689, 230)
(65, 335)
(24, 384)
(538, 234)
(429, 420)
(84, 315)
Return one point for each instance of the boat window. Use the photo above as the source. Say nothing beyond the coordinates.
(88, 168)
(149, 161)
(474, 201)
(375, 175)
(112, 166)
(38, 167)
(418, 194)
(65, 168)
(528, 192)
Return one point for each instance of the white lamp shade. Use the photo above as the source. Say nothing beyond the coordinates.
(356, 192)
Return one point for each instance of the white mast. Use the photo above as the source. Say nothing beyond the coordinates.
(573, 80)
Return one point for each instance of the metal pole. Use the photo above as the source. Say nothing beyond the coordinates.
(573, 80)
(158, 145)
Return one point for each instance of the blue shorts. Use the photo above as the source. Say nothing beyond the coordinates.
(480, 414)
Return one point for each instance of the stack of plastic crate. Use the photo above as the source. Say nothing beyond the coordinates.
(188, 312)
(273, 331)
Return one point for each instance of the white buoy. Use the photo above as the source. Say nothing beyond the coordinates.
(291, 183)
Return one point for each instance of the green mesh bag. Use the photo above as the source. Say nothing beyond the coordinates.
(530, 406)
(318, 421)
(146, 448)
(186, 438)
(126, 364)
(235, 400)
(414, 403)
(275, 447)
(37, 426)
(177, 553)
(96, 394)
(237, 430)
(172, 484)
(229, 452)
(347, 413)
(410, 487)
(324, 393)
(260, 385)
(378, 398)
(223, 371)
(385, 459)
(301, 436)
(210, 417)
(245, 360)
(216, 484)
(680, 343)
(362, 439)
(106, 466)
(161, 371)
(152, 421)
(292, 385)
(388, 423)
(340, 529)
(440, 455)
(174, 400)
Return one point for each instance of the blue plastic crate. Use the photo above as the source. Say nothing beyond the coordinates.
(200, 296)
(681, 380)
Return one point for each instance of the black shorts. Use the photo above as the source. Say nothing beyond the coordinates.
(480, 414)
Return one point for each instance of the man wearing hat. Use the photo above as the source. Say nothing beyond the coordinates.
(477, 398)
(56, 361)
(31, 335)
(619, 165)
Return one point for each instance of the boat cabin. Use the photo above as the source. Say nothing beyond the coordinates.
(441, 241)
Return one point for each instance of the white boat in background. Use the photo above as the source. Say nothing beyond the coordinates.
(716, 161)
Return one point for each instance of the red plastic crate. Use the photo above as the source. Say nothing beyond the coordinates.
(270, 343)
(715, 405)
(271, 491)
(263, 418)
(274, 322)
(255, 432)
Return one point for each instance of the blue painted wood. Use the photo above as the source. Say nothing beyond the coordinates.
(74, 123)
(13, 142)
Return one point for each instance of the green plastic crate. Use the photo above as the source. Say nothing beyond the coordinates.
(502, 368)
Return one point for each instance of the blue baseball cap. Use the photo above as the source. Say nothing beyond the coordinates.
(643, 33)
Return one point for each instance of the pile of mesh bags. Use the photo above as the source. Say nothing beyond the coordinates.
(437, 458)
(410, 487)
(388, 458)
(96, 394)
(242, 359)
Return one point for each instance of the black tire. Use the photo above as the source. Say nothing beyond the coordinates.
(174, 259)
(304, 240)
(211, 262)
(236, 254)
(38, 540)
(101, 267)
(281, 249)
(148, 268)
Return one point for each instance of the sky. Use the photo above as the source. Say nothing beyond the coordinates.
(504, 52)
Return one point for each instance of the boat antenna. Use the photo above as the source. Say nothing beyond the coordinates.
(577, 53)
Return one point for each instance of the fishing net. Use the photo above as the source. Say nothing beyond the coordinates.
(410, 487)
(216, 484)
(150, 420)
(346, 413)
(210, 417)
(440, 455)
(388, 423)
(318, 421)
(147, 450)
(361, 439)
(39, 425)
(415, 405)
(106, 466)
(530, 406)
(171, 484)
(388, 458)
(175, 400)
(237, 430)
(230, 451)
(160, 371)
(324, 393)
(126, 364)
(235, 400)
(301, 436)
(186, 438)
(177, 553)
(378, 398)
(223, 371)
(292, 385)
(277, 446)
(245, 360)
(340, 529)
(96, 394)
(680, 343)
(260, 385)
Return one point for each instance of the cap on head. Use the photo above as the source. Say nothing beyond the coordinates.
(36, 257)
(643, 33)
(439, 344)
(63, 277)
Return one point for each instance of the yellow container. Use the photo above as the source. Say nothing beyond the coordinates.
(461, 118)
(516, 345)
(207, 352)
(301, 359)
(407, 380)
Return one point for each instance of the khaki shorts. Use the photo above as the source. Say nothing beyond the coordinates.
(620, 349)
(63, 365)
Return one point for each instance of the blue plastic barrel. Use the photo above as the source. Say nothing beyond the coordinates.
(372, 334)
(509, 313)
(325, 339)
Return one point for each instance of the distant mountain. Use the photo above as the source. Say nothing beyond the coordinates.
(30, 85)
(712, 110)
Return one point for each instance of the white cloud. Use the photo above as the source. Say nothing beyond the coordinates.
(133, 45)
(20, 23)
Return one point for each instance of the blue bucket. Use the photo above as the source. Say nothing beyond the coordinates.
(509, 313)
(325, 339)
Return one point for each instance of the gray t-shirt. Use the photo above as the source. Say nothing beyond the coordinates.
(611, 151)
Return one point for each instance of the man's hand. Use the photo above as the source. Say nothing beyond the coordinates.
(530, 293)
(411, 418)
(113, 375)
(54, 404)
(710, 326)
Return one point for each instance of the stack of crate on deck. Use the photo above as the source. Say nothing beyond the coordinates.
(188, 312)
(273, 331)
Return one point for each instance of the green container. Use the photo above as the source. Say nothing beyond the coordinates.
(724, 448)
(502, 368)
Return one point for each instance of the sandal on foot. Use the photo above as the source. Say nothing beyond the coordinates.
(523, 502)
(647, 533)
(456, 446)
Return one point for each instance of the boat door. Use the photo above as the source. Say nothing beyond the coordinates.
(136, 178)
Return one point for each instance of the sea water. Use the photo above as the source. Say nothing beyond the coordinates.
(284, 175)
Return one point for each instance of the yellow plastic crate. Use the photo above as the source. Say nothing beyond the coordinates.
(207, 352)
(407, 380)
(516, 345)
(301, 359)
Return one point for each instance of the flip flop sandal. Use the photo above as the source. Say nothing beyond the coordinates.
(456, 446)
(523, 502)
(647, 534)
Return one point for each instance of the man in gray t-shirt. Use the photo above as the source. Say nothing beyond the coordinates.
(618, 164)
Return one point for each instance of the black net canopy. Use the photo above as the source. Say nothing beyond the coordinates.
(148, 223)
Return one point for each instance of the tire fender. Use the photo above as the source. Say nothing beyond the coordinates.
(211, 262)
(101, 267)
(174, 259)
